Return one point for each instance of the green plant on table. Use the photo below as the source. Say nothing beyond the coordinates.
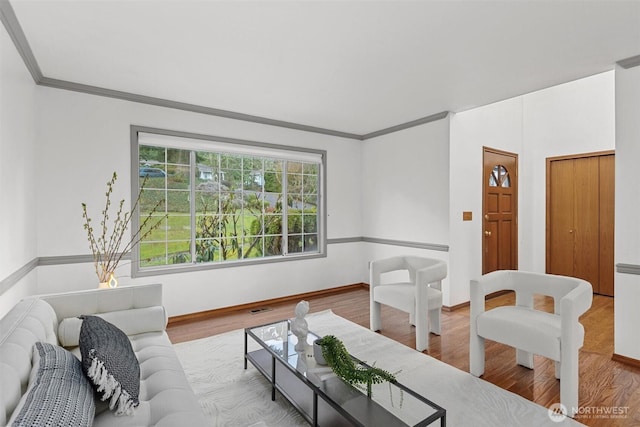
(106, 245)
(343, 365)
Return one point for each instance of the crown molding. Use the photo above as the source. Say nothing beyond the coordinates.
(167, 103)
(407, 125)
(10, 21)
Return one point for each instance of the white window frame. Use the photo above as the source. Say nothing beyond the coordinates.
(193, 141)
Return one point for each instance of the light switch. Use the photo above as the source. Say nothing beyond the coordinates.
(467, 216)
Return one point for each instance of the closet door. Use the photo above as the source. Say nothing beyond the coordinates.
(580, 213)
(560, 208)
(586, 213)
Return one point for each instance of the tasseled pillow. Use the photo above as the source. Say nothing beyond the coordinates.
(109, 361)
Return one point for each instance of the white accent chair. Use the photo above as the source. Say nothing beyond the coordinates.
(421, 296)
(557, 336)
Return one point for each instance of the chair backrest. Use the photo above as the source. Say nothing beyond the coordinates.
(526, 284)
(409, 263)
(415, 263)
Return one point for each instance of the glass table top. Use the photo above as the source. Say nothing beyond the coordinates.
(401, 403)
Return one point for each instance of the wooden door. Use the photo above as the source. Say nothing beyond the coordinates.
(580, 206)
(500, 211)
(586, 220)
(560, 244)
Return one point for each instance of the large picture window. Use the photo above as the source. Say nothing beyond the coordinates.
(226, 201)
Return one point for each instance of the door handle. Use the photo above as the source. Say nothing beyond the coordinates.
(487, 233)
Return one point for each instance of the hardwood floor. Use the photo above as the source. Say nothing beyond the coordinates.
(605, 385)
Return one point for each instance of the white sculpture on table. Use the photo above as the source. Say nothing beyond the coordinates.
(299, 325)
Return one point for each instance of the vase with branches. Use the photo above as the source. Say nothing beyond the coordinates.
(107, 244)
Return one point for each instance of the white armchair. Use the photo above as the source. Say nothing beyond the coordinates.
(557, 336)
(421, 296)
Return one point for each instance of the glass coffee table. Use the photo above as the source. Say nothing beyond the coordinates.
(321, 397)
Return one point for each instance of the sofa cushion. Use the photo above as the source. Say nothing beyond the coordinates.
(131, 322)
(59, 394)
(110, 363)
(166, 397)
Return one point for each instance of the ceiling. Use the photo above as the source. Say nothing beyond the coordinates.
(349, 66)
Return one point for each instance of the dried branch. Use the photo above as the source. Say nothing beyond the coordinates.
(105, 247)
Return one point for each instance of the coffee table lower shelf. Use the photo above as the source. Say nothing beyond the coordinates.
(353, 409)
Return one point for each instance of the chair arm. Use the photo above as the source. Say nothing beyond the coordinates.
(432, 275)
(426, 277)
(578, 300)
(573, 305)
(493, 282)
(384, 266)
(476, 301)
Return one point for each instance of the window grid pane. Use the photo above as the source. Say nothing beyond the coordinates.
(239, 203)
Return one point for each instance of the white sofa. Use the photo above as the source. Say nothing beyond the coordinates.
(166, 398)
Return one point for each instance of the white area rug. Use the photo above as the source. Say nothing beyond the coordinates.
(231, 396)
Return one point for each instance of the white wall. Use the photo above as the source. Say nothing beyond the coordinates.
(627, 247)
(405, 191)
(406, 184)
(575, 117)
(496, 126)
(82, 139)
(18, 245)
